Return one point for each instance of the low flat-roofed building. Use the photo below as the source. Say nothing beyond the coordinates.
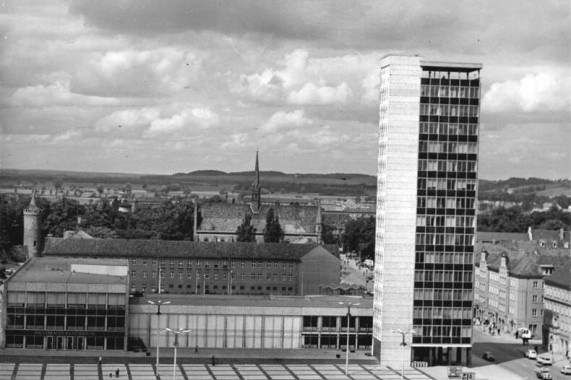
(243, 322)
(57, 303)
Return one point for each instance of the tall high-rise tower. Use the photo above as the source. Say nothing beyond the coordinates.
(32, 227)
(426, 211)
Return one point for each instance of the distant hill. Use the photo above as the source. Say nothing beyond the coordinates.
(341, 184)
(539, 186)
(203, 172)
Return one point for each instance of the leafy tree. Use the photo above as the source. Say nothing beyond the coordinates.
(358, 233)
(553, 224)
(102, 232)
(273, 232)
(128, 188)
(58, 183)
(62, 217)
(327, 234)
(215, 199)
(100, 189)
(11, 221)
(246, 232)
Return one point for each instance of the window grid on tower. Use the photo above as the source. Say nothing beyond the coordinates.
(446, 209)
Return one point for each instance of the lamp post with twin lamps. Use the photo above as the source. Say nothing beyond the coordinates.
(158, 303)
(176, 333)
(349, 304)
(403, 345)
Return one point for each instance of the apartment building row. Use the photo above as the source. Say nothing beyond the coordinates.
(557, 312)
(510, 277)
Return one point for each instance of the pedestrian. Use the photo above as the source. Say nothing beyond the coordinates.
(213, 361)
(117, 372)
(196, 349)
(99, 362)
(499, 331)
(110, 375)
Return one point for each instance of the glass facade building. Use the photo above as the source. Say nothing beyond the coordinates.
(62, 304)
(426, 211)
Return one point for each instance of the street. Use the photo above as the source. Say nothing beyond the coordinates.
(509, 354)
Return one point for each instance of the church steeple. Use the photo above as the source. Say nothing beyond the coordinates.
(256, 190)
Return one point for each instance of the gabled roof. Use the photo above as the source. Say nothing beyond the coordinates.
(524, 259)
(485, 237)
(561, 278)
(222, 217)
(119, 248)
(550, 235)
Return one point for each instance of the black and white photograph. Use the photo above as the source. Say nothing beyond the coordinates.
(304, 189)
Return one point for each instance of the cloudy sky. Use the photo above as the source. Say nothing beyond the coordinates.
(149, 86)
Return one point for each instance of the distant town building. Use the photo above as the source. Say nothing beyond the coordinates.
(426, 208)
(299, 222)
(185, 267)
(557, 316)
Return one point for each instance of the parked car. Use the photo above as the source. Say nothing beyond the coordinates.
(566, 369)
(531, 354)
(545, 360)
(488, 356)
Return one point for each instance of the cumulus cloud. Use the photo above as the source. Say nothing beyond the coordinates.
(281, 120)
(139, 73)
(313, 94)
(298, 78)
(157, 121)
(542, 92)
(187, 118)
(67, 136)
(370, 85)
(129, 119)
(53, 94)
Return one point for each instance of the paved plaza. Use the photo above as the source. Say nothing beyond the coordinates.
(38, 371)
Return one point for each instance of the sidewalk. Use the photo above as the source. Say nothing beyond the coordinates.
(187, 355)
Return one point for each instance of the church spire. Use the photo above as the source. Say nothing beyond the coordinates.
(257, 170)
(256, 190)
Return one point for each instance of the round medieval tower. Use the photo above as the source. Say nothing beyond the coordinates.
(32, 228)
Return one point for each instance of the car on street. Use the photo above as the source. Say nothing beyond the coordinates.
(545, 360)
(566, 369)
(542, 372)
(531, 354)
(488, 356)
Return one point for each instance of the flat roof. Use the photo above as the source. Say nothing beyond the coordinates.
(258, 301)
(450, 66)
(57, 270)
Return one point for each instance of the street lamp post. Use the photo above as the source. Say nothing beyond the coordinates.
(349, 304)
(176, 333)
(158, 303)
(403, 345)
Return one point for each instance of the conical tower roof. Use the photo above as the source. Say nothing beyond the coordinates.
(32, 207)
